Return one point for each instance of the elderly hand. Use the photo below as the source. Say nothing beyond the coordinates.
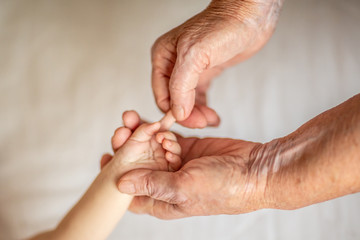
(187, 58)
(218, 176)
(317, 162)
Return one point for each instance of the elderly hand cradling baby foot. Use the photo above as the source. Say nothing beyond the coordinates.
(146, 145)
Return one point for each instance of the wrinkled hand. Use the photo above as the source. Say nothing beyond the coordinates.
(187, 58)
(218, 176)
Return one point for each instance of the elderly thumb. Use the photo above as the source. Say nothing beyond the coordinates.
(183, 82)
(158, 185)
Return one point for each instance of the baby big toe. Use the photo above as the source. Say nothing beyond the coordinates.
(121, 135)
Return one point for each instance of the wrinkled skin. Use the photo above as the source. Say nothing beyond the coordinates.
(187, 58)
(216, 179)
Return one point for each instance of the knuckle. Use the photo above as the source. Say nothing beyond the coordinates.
(156, 44)
(149, 186)
(182, 86)
(196, 55)
(156, 57)
(161, 46)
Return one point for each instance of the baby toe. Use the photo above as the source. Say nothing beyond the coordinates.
(159, 137)
(145, 131)
(121, 135)
(174, 161)
(131, 119)
(171, 146)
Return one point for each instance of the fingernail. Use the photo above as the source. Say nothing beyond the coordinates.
(178, 111)
(127, 187)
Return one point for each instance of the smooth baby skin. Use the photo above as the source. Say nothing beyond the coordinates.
(102, 206)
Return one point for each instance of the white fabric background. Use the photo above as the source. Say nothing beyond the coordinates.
(68, 69)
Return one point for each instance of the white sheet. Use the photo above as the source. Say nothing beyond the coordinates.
(68, 70)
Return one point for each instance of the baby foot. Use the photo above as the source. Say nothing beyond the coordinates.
(157, 150)
(161, 151)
